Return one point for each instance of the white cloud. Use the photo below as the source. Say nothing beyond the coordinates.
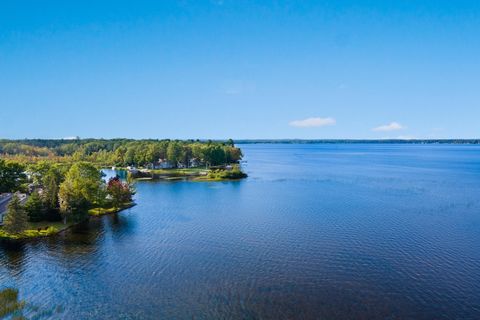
(233, 91)
(401, 137)
(389, 127)
(406, 137)
(313, 122)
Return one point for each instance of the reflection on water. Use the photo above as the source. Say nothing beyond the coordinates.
(316, 231)
(12, 307)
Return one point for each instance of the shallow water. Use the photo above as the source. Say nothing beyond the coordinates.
(316, 232)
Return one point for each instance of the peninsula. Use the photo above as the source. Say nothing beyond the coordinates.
(47, 186)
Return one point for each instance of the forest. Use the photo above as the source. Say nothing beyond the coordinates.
(122, 152)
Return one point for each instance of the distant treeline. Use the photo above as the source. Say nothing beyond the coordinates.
(360, 141)
(121, 152)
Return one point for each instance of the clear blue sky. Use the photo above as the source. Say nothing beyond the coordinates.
(240, 69)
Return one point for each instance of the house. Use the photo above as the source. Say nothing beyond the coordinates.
(164, 164)
(5, 200)
(132, 169)
(194, 163)
(180, 165)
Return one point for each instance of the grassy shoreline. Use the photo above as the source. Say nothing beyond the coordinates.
(43, 229)
(190, 174)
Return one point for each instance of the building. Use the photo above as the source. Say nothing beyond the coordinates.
(164, 164)
(132, 169)
(194, 163)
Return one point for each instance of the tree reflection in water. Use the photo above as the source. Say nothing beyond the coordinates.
(12, 307)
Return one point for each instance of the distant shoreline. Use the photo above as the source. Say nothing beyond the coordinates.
(359, 141)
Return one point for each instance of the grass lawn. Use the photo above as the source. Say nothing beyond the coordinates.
(99, 211)
(179, 172)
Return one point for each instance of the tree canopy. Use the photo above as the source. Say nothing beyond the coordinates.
(121, 152)
(11, 175)
(82, 187)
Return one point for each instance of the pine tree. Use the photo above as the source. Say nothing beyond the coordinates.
(50, 195)
(16, 218)
(34, 208)
(51, 182)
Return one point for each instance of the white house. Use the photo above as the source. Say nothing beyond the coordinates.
(132, 169)
(194, 163)
(164, 164)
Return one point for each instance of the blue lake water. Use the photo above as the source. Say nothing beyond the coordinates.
(374, 231)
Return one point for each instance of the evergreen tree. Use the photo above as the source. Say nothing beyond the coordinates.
(34, 208)
(51, 182)
(16, 218)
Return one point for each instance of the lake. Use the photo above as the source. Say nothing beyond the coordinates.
(320, 231)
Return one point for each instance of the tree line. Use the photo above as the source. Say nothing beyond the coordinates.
(122, 152)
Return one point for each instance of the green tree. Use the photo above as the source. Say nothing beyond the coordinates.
(34, 207)
(82, 187)
(153, 153)
(16, 218)
(51, 182)
(174, 152)
(187, 154)
(118, 156)
(51, 185)
(129, 156)
(11, 176)
(232, 154)
(214, 155)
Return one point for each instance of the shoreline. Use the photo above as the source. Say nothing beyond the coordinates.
(48, 229)
(188, 174)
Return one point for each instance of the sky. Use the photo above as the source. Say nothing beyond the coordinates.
(238, 69)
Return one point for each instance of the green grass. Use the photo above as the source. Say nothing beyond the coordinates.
(199, 174)
(99, 211)
(179, 172)
(36, 230)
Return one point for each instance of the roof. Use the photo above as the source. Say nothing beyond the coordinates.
(4, 200)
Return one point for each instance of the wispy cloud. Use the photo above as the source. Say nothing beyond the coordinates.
(393, 126)
(233, 91)
(406, 137)
(401, 137)
(313, 122)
